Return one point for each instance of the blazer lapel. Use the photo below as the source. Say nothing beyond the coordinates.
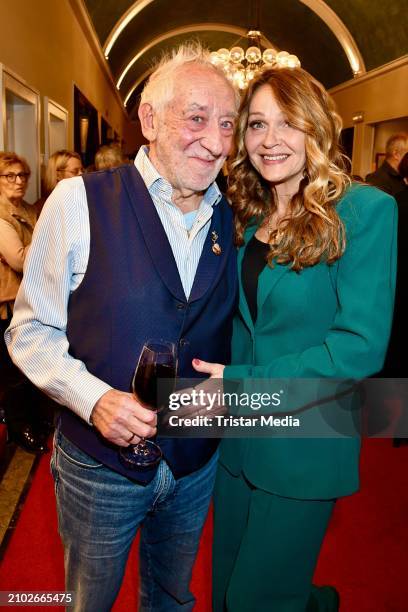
(268, 279)
(211, 266)
(243, 304)
(153, 232)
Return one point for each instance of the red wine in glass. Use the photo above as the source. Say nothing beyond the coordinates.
(153, 382)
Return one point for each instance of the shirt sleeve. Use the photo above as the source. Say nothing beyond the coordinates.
(356, 343)
(12, 249)
(55, 265)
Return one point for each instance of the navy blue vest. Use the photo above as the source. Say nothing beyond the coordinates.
(132, 291)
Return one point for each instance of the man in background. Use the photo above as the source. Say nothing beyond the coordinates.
(387, 177)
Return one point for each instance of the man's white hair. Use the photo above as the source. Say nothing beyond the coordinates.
(397, 143)
(161, 86)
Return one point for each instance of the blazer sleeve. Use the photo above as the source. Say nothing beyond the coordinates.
(364, 277)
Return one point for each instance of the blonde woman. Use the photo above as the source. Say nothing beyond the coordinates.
(317, 267)
(61, 165)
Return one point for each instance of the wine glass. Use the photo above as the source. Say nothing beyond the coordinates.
(152, 383)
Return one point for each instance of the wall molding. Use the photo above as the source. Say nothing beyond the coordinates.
(194, 27)
(319, 7)
(371, 74)
(81, 15)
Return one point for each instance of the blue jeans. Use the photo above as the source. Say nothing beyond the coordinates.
(99, 513)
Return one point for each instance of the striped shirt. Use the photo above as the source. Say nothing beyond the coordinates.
(186, 242)
(54, 268)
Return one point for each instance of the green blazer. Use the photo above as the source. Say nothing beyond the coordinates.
(328, 321)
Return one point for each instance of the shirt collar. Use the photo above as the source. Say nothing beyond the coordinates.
(155, 182)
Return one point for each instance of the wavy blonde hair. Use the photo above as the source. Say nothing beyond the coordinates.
(312, 230)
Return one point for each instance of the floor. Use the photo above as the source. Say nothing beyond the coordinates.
(17, 468)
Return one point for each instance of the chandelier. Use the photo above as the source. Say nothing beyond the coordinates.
(242, 66)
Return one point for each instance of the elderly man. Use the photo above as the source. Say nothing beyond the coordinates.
(387, 177)
(120, 257)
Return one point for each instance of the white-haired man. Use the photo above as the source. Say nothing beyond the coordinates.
(387, 176)
(120, 257)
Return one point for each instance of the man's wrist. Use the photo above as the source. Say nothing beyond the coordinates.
(86, 395)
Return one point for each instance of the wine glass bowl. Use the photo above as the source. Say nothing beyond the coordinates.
(153, 382)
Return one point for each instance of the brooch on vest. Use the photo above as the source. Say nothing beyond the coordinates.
(216, 249)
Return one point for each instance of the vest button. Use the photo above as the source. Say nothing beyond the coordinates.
(180, 306)
(183, 342)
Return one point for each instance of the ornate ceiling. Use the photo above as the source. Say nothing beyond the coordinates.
(330, 38)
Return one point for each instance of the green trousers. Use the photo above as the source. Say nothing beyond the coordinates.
(266, 549)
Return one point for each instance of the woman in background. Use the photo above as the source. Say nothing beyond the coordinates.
(61, 165)
(317, 268)
(17, 219)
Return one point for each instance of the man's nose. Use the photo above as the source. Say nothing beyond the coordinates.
(213, 139)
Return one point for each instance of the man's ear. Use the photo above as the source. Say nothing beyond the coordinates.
(148, 121)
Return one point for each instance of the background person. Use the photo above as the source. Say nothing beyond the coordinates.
(17, 220)
(61, 165)
(395, 366)
(387, 176)
(395, 363)
(109, 156)
(316, 302)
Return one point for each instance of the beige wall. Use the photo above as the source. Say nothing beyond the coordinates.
(381, 95)
(43, 43)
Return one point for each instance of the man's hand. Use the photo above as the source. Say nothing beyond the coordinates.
(117, 415)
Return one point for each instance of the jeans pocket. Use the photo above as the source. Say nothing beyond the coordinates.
(74, 455)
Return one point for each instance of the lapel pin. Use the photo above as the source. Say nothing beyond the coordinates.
(216, 249)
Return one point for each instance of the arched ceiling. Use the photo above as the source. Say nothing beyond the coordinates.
(321, 33)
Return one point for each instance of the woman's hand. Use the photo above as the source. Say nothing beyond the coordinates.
(215, 370)
(206, 397)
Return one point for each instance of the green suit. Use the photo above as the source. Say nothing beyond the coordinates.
(328, 321)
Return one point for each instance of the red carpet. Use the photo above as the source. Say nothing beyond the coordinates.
(364, 554)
